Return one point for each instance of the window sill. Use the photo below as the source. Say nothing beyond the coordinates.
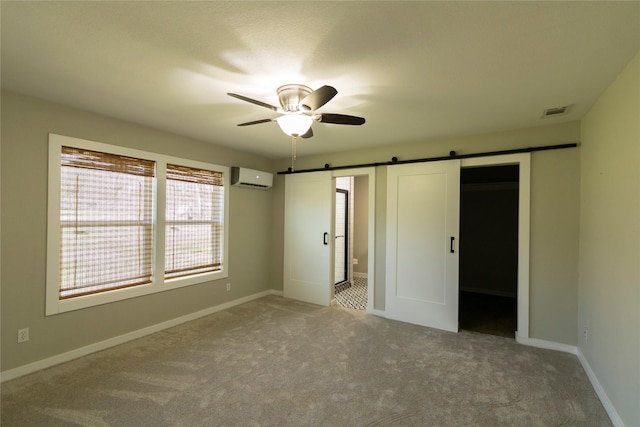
(87, 301)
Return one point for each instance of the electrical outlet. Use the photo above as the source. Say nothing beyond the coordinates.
(355, 261)
(23, 335)
(228, 287)
(585, 333)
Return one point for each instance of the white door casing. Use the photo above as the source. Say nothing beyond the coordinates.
(523, 160)
(422, 234)
(308, 246)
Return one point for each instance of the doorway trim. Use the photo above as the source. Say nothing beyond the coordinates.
(371, 173)
(524, 221)
(347, 247)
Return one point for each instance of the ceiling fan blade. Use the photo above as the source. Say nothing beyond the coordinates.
(318, 98)
(255, 122)
(308, 134)
(341, 119)
(254, 101)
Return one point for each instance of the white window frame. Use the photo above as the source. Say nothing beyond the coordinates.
(158, 283)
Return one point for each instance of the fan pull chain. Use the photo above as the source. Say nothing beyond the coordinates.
(293, 151)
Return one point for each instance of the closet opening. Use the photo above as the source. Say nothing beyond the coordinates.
(488, 264)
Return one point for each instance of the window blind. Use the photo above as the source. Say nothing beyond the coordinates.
(106, 219)
(194, 221)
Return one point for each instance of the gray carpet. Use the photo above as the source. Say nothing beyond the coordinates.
(278, 362)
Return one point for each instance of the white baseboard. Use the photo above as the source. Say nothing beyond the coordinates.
(549, 345)
(602, 395)
(102, 345)
(608, 406)
(360, 275)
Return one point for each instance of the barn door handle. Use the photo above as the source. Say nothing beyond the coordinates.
(451, 249)
(326, 238)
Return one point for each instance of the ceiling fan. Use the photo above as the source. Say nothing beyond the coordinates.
(298, 105)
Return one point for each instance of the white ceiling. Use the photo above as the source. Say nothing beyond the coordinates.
(414, 70)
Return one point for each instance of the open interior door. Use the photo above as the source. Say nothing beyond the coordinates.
(422, 235)
(308, 243)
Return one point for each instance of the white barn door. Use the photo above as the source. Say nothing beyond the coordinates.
(423, 202)
(308, 243)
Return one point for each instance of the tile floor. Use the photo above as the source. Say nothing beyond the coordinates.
(353, 295)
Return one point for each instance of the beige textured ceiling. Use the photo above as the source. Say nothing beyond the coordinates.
(414, 70)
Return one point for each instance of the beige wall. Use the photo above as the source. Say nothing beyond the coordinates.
(555, 202)
(555, 189)
(361, 223)
(26, 123)
(609, 286)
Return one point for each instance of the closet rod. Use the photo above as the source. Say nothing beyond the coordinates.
(452, 155)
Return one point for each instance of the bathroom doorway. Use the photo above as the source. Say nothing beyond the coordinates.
(351, 241)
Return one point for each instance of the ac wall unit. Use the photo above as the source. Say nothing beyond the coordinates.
(243, 177)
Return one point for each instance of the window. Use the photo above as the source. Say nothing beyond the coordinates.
(193, 221)
(106, 225)
(125, 223)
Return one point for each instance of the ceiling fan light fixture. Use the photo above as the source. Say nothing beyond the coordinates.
(298, 106)
(294, 124)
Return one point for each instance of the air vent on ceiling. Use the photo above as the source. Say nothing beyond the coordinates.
(555, 111)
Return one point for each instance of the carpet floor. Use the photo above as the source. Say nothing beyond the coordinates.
(279, 362)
